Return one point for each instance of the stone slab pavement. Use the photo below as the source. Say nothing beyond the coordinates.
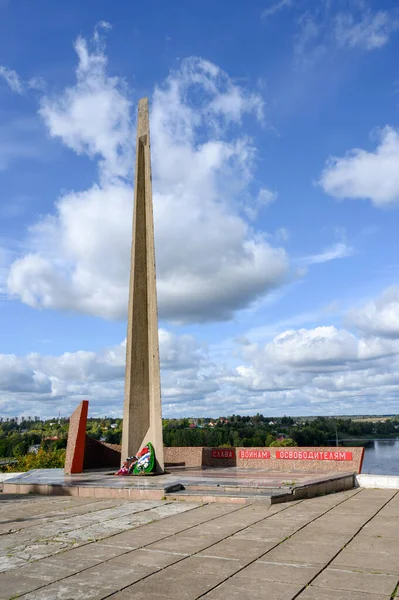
(337, 547)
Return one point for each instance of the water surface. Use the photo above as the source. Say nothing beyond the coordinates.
(382, 458)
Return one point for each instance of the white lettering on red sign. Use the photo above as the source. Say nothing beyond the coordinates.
(313, 455)
(254, 454)
(223, 453)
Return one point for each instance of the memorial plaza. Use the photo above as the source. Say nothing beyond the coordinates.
(342, 546)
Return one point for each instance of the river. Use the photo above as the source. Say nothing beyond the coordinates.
(382, 458)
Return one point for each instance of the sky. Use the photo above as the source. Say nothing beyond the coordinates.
(275, 158)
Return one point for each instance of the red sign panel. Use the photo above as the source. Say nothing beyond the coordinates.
(254, 454)
(223, 453)
(313, 455)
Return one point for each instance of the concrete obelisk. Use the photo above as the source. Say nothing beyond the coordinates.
(142, 416)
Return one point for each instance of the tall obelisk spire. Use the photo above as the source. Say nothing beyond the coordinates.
(142, 416)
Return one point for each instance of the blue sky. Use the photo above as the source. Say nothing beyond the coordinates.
(275, 151)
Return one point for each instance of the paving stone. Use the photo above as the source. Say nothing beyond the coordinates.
(378, 545)
(316, 593)
(303, 553)
(86, 556)
(39, 550)
(390, 511)
(367, 561)
(167, 509)
(347, 524)
(95, 583)
(246, 517)
(8, 563)
(261, 535)
(11, 586)
(118, 566)
(96, 513)
(343, 579)
(374, 494)
(225, 567)
(172, 585)
(213, 527)
(133, 539)
(261, 570)
(292, 519)
(246, 550)
(93, 532)
(185, 544)
(128, 595)
(153, 558)
(363, 500)
(49, 569)
(272, 529)
(386, 527)
(202, 513)
(114, 574)
(362, 510)
(240, 589)
(166, 527)
(309, 534)
(68, 590)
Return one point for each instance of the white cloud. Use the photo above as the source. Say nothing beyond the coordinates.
(37, 384)
(370, 31)
(16, 378)
(326, 29)
(264, 198)
(17, 85)
(321, 348)
(338, 250)
(283, 234)
(12, 80)
(366, 175)
(380, 316)
(81, 260)
(321, 370)
(37, 83)
(275, 8)
(310, 41)
(312, 347)
(93, 116)
(210, 262)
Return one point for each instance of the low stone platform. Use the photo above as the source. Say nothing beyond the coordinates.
(231, 484)
(343, 546)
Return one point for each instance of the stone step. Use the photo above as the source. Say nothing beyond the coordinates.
(218, 495)
(235, 489)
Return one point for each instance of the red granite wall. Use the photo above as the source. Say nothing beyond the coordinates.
(99, 455)
(183, 457)
(84, 452)
(76, 439)
(320, 460)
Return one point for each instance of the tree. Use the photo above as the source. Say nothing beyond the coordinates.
(269, 440)
(284, 442)
(20, 449)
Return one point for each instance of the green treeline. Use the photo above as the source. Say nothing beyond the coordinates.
(17, 439)
(258, 430)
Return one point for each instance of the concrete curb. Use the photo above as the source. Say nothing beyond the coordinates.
(387, 482)
(5, 476)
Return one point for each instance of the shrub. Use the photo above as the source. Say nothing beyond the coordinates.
(43, 459)
(284, 442)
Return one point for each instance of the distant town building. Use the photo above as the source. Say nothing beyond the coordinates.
(34, 449)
